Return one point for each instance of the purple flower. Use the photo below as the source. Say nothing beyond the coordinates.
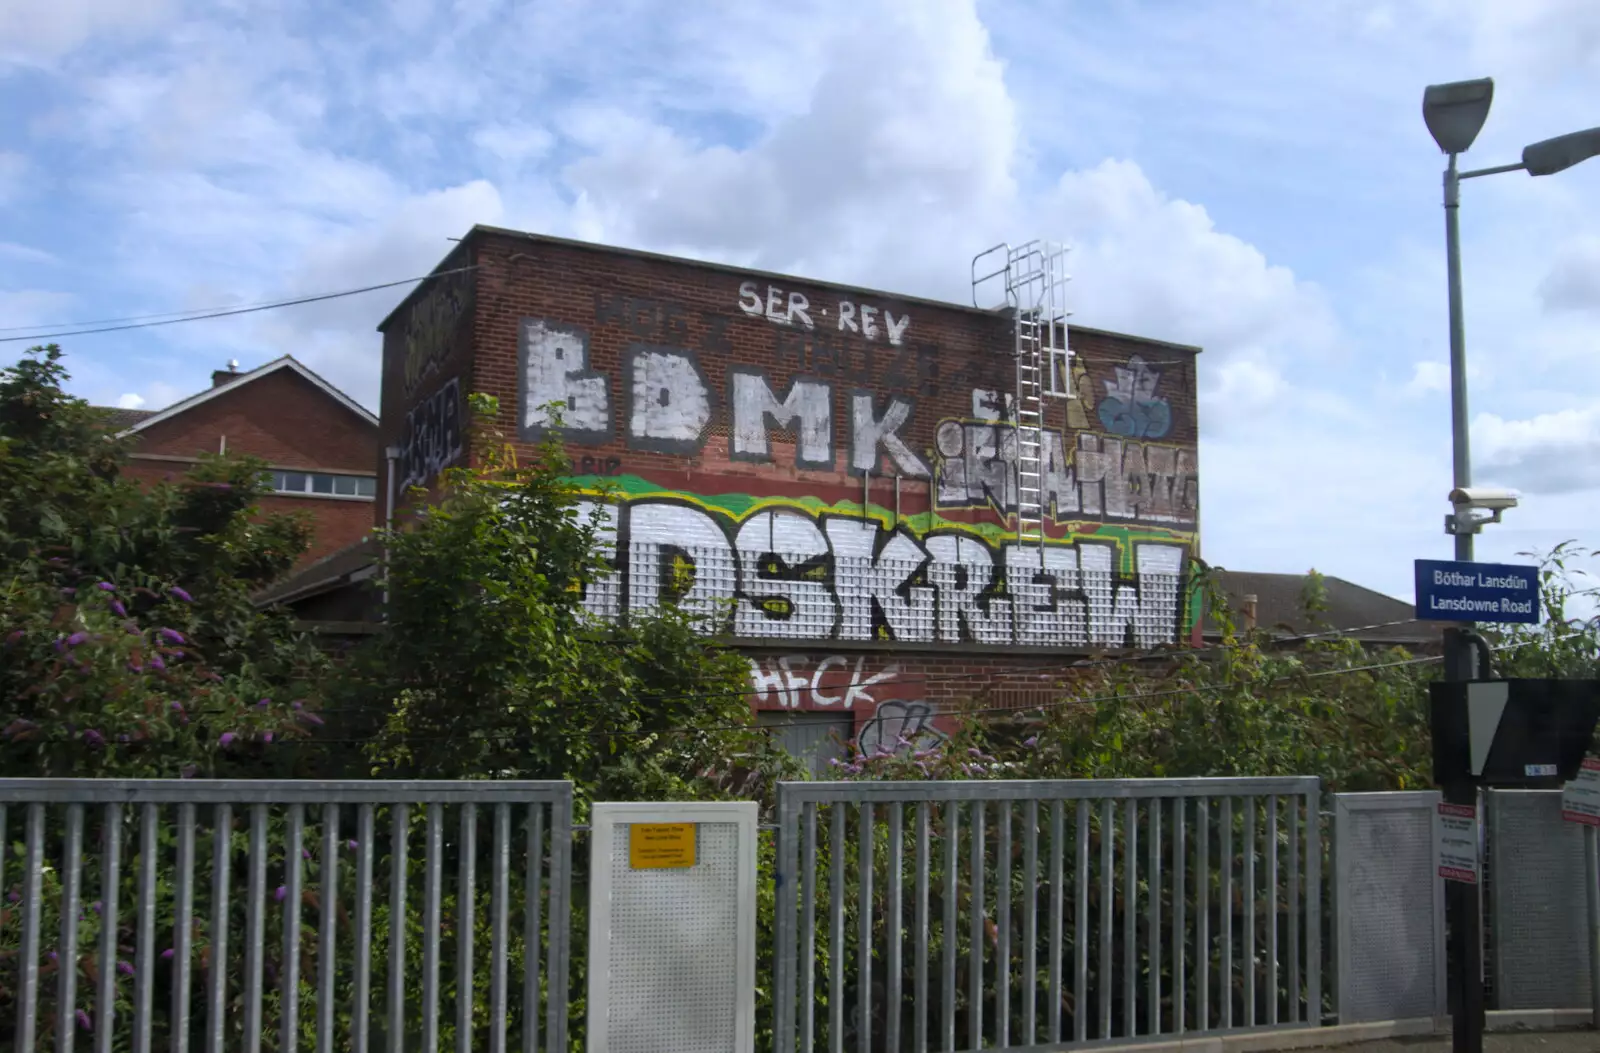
(125, 968)
(177, 707)
(123, 738)
(94, 738)
(133, 664)
(13, 896)
(14, 636)
(85, 1021)
(116, 605)
(296, 704)
(226, 739)
(305, 853)
(352, 845)
(156, 662)
(264, 703)
(77, 638)
(53, 956)
(166, 955)
(1031, 741)
(69, 592)
(170, 635)
(282, 892)
(310, 718)
(106, 586)
(180, 594)
(95, 906)
(130, 628)
(60, 645)
(267, 737)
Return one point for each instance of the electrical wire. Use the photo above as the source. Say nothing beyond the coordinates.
(134, 322)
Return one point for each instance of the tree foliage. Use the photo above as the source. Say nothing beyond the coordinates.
(128, 642)
(490, 666)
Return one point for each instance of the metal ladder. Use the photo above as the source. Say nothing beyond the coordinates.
(1035, 280)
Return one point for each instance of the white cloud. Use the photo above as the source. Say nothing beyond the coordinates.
(1553, 452)
(36, 32)
(13, 175)
(1573, 281)
(130, 400)
(1429, 378)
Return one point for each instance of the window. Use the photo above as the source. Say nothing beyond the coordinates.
(325, 483)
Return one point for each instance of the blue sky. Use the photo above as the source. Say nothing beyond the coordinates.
(1250, 176)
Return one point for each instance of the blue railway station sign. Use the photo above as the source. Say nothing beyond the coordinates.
(1477, 592)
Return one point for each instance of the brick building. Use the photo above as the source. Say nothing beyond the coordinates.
(864, 477)
(321, 445)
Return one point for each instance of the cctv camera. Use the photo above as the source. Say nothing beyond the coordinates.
(1485, 497)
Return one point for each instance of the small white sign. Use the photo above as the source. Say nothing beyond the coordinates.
(1458, 843)
(1580, 798)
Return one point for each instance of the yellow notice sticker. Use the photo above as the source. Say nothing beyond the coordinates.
(660, 846)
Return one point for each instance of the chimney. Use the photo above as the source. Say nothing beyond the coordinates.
(226, 376)
(1248, 610)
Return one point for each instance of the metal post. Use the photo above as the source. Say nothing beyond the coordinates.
(1591, 845)
(1462, 902)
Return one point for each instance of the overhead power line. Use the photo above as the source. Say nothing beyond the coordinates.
(136, 322)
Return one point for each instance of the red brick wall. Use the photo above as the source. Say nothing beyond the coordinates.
(1124, 467)
(288, 422)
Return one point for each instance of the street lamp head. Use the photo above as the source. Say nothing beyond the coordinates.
(1564, 151)
(1455, 112)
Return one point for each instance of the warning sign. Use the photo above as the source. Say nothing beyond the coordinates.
(1580, 798)
(1458, 843)
(661, 846)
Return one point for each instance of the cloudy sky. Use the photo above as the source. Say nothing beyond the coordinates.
(1250, 176)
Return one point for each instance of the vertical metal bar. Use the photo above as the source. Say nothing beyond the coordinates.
(919, 1026)
(952, 829)
(785, 962)
(1202, 915)
(1080, 926)
(530, 930)
(32, 919)
(1248, 944)
(71, 904)
(1057, 928)
(499, 929)
(217, 933)
(1296, 1006)
(807, 964)
(1591, 864)
(110, 882)
(1314, 907)
(1225, 916)
(361, 996)
(864, 831)
(292, 900)
(558, 954)
(144, 948)
(327, 927)
(433, 878)
(1180, 916)
(399, 867)
(836, 929)
(893, 918)
(975, 951)
(255, 929)
(1030, 920)
(1130, 917)
(182, 932)
(1002, 904)
(466, 889)
(1270, 884)
(1153, 920)
(1108, 892)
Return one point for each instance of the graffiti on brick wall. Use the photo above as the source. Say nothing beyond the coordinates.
(899, 727)
(1131, 406)
(432, 439)
(793, 308)
(796, 681)
(431, 326)
(1105, 477)
(793, 574)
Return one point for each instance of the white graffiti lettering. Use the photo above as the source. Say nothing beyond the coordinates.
(788, 683)
(871, 436)
(783, 576)
(671, 403)
(554, 363)
(794, 308)
(807, 403)
(432, 437)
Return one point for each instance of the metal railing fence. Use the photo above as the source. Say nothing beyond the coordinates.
(274, 914)
(1044, 914)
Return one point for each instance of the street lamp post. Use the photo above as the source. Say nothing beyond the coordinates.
(1454, 114)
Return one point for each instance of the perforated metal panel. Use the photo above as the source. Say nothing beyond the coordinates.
(1539, 902)
(1389, 905)
(671, 951)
